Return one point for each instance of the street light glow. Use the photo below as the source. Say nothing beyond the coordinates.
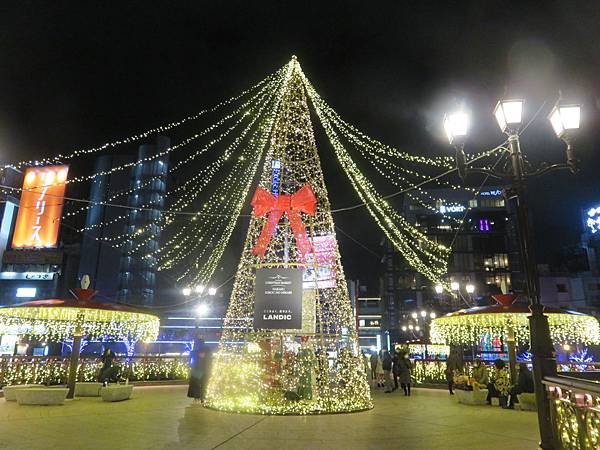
(201, 310)
(439, 288)
(212, 290)
(470, 288)
(509, 114)
(199, 289)
(432, 315)
(455, 286)
(403, 327)
(564, 118)
(456, 126)
(186, 291)
(414, 315)
(423, 313)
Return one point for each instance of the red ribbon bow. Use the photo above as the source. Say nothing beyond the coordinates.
(264, 203)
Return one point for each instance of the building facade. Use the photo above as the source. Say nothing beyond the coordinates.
(484, 259)
(115, 254)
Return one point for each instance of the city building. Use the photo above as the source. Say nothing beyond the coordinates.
(484, 260)
(369, 314)
(39, 256)
(115, 254)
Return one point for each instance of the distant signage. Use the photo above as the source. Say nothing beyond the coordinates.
(275, 176)
(26, 292)
(452, 209)
(32, 276)
(278, 299)
(52, 257)
(592, 221)
(369, 323)
(40, 207)
(320, 265)
(491, 193)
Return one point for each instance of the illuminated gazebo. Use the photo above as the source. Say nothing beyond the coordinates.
(65, 319)
(510, 322)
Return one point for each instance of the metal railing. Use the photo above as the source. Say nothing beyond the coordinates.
(575, 412)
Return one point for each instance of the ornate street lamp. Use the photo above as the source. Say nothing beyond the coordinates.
(565, 120)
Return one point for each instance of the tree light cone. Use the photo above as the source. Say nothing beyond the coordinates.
(318, 369)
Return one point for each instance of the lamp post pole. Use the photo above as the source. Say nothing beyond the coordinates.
(542, 349)
(565, 120)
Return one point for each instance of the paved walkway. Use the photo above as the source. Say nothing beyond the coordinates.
(163, 418)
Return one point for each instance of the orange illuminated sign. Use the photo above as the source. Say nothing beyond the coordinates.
(40, 207)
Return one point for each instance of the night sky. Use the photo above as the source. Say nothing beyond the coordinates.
(76, 75)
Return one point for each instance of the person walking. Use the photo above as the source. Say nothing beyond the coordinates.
(387, 370)
(404, 372)
(200, 367)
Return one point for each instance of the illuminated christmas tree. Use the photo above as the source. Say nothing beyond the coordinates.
(313, 365)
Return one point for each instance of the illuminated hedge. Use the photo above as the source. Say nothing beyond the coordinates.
(60, 323)
(469, 328)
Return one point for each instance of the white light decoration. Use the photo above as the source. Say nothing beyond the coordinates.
(439, 289)
(565, 118)
(456, 126)
(202, 309)
(470, 288)
(455, 285)
(26, 292)
(509, 114)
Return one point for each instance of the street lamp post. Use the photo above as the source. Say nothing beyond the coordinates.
(564, 119)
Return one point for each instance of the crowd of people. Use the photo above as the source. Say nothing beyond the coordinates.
(390, 371)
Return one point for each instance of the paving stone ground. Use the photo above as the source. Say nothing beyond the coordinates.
(164, 418)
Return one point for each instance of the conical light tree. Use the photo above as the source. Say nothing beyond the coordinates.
(316, 366)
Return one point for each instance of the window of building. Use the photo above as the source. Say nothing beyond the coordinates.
(473, 203)
(561, 287)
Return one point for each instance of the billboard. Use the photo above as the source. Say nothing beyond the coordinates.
(278, 299)
(40, 208)
(320, 265)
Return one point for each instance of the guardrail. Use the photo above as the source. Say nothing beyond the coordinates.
(575, 412)
(54, 370)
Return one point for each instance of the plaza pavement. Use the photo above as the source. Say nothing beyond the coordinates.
(164, 418)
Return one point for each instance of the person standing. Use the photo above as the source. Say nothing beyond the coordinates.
(380, 372)
(387, 370)
(373, 361)
(404, 372)
(200, 367)
(395, 368)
